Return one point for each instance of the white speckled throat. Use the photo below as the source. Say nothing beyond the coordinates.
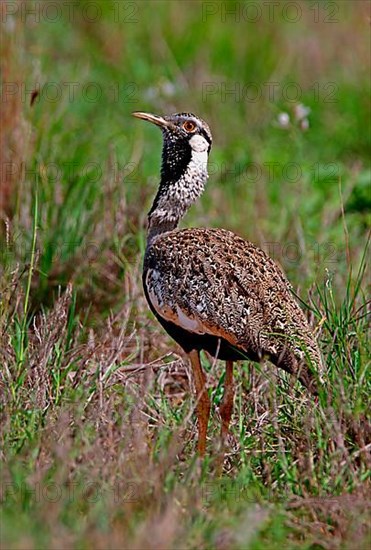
(174, 199)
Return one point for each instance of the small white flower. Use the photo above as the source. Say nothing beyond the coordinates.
(168, 88)
(304, 124)
(284, 120)
(301, 111)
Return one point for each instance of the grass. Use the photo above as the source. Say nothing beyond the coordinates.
(97, 411)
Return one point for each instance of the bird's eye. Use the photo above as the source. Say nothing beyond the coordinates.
(189, 126)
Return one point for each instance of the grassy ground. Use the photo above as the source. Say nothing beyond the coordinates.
(98, 431)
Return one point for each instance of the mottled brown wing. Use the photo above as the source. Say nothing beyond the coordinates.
(188, 319)
(209, 281)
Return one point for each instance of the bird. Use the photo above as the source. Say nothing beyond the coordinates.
(212, 290)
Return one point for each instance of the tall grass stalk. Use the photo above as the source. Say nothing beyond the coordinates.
(31, 268)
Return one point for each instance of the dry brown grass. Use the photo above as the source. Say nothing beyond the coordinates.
(15, 129)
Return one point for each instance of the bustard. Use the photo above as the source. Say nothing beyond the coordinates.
(209, 288)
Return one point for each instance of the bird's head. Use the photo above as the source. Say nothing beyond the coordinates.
(182, 130)
(185, 137)
(186, 146)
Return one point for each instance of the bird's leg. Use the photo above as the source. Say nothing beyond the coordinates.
(225, 410)
(226, 406)
(203, 401)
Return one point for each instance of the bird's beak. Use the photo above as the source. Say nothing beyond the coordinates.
(155, 119)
